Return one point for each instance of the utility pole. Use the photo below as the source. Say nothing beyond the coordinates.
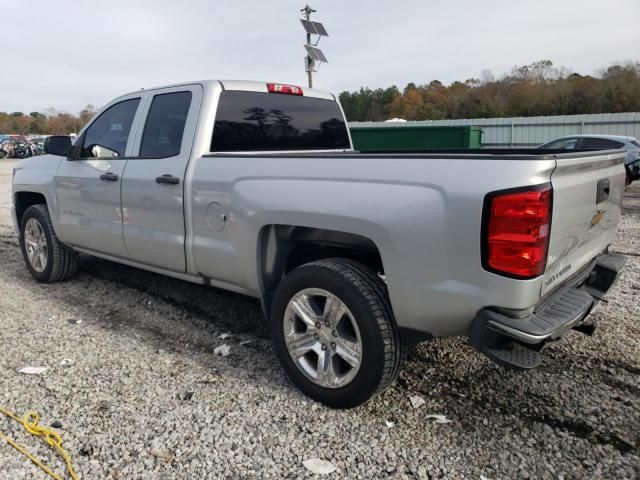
(314, 55)
(307, 13)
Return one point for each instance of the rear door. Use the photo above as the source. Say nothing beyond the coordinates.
(153, 183)
(88, 188)
(587, 205)
(258, 120)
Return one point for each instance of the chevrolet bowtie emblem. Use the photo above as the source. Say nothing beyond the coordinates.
(597, 218)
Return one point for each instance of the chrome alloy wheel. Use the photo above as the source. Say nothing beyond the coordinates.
(35, 243)
(322, 338)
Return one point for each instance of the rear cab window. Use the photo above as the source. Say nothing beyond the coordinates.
(255, 121)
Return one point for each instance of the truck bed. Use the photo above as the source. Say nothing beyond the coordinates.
(425, 217)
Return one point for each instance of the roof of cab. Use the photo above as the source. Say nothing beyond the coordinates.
(244, 85)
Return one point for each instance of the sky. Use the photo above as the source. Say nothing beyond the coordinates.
(65, 54)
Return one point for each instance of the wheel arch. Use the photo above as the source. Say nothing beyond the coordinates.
(281, 248)
(24, 199)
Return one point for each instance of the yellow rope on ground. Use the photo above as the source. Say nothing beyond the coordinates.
(53, 439)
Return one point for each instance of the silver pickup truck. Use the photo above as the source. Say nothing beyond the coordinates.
(254, 187)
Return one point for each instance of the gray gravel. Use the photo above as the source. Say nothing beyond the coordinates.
(134, 383)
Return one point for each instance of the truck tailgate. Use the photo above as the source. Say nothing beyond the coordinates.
(588, 189)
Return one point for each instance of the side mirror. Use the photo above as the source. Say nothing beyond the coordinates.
(57, 145)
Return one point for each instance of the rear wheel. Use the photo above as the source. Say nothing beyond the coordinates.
(47, 259)
(334, 332)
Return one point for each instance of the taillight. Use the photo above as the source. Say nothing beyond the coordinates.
(516, 228)
(281, 88)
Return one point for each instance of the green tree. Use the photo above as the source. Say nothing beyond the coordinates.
(87, 113)
(539, 88)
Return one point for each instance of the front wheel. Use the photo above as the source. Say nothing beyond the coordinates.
(334, 332)
(47, 259)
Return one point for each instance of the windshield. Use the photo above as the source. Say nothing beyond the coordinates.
(254, 121)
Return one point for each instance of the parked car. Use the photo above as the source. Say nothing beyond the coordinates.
(37, 145)
(6, 147)
(604, 142)
(254, 187)
(16, 146)
(22, 149)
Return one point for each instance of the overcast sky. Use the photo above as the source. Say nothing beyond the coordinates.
(69, 53)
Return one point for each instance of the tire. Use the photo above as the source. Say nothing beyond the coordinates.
(61, 262)
(367, 304)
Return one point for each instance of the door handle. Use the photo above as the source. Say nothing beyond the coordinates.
(168, 179)
(109, 177)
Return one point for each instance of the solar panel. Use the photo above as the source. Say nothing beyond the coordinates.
(314, 28)
(308, 26)
(320, 29)
(316, 54)
(312, 52)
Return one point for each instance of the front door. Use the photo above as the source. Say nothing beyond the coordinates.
(88, 187)
(153, 182)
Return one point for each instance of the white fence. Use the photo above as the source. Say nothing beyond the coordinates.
(532, 131)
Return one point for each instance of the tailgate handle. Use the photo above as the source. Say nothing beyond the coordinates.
(603, 191)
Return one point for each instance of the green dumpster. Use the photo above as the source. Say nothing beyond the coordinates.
(373, 139)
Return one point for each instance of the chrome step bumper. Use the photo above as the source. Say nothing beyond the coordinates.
(502, 338)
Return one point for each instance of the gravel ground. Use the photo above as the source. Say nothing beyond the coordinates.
(133, 381)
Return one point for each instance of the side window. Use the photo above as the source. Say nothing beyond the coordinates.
(563, 144)
(597, 143)
(107, 137)
(163, 130)
(600, 143)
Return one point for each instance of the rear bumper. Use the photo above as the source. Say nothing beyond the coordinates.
(516, 341)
